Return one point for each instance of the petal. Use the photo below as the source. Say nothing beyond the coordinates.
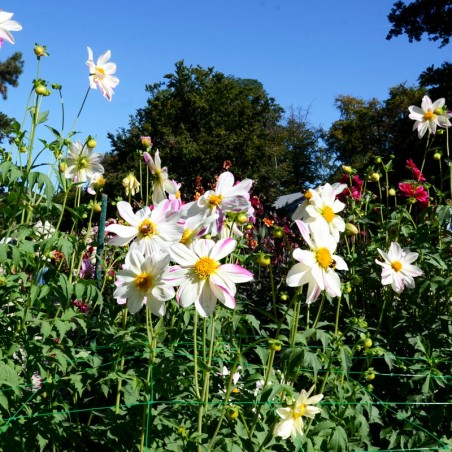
(222, 248)
(223, 295)
(225, 182)
(183, 255)
(235, 273)
(207, 301)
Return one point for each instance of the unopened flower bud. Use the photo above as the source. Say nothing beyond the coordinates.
(97, 207)
(146, 142)
(374, 177)
(351, 229)
(439, 111)
(439, 131)
(41, 90)
(23, 149)
(63, 167)
(377, 160)
(40, 51)
(91, 143)
(391, 192)
(437, 156)
(242, 218)
(347, 169)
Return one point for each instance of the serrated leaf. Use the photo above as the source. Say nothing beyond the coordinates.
(338, 441)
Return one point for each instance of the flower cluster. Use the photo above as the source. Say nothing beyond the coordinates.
(168, 232)
(320, 227)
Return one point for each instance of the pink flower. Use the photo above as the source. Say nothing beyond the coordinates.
(417, 175)
(418, 194)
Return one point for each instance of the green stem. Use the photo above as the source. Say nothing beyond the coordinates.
(146, 408)
(121, 366)
(317, 318)
(338, 310)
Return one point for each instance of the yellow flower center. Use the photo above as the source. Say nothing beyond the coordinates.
(299, 410)
(324, 258)
(82, 163)
(429, 116)
(205, 267)
(143, 282)
(215, 200)
(100, 73)
(186, 236)
(157, 176)
(396, 265)
(146, 228)
(328, 214)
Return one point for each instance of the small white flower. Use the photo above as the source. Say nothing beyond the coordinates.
(153, 230)
(316, 267)
(82, 162)
(227, 197)
(7, 25)
(322, 210)
(101, 74)
(291, 423)
(160, 181)
(397, 268)
(429, 116)
(142, 282)
(43, 230)
(201, 278)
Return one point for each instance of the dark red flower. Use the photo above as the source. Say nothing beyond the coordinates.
(417, 175)
(419, 193)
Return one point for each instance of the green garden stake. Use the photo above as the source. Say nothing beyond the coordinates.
(100, 238)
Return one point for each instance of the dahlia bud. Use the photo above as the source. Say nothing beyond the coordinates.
(437, 156)
(146, 142)
(347, 169)
(351, 229)
(374, 177)
(40, 51)
(391, 192)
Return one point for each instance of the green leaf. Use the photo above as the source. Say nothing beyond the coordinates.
(42, 117)
(338, 441)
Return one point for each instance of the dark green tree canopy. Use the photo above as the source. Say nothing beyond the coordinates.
(373, 128)
(199, 118)
(10, 71)
(432, 17)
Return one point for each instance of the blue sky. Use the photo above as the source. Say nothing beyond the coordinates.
(304, 53)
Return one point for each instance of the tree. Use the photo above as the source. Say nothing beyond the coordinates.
(309, 161)
(438, 82)
(10, 71)
(433, 17)
(198, 119)
(368, 129)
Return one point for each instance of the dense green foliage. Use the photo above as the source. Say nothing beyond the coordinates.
(419, 17)
(10, 71)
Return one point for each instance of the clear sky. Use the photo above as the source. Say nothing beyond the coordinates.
(304, 53)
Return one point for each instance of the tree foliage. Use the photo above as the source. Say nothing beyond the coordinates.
(433, 17)
(199, 118)
(374, 128)
(10, 71)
